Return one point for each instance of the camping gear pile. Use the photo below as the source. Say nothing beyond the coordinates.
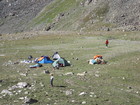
(56, 62)
(97, 59)
(61, 62)
(44, 60)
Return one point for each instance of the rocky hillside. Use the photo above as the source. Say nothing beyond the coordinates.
(69, 15)
(15, 14)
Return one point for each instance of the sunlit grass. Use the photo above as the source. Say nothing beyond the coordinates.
(115, 83)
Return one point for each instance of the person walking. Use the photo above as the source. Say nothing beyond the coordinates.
(107, 42)
(51, 80)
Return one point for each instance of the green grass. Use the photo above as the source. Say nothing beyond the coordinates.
(49, 13)
(75, 16)
(117, 84)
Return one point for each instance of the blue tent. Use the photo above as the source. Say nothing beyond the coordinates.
(44, 59)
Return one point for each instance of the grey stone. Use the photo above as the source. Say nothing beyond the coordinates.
(6, 92)
(22, 84)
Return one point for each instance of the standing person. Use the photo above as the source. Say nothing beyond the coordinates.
(56, 56)
(107, 42)
(51, 80)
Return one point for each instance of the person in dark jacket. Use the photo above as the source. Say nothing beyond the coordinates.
(51, 80)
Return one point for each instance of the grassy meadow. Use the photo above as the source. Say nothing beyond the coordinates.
(114, 83)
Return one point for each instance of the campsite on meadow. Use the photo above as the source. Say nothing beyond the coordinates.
(69, 52)
(113, 83)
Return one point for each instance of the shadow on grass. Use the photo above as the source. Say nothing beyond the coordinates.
(60, 86)
(31, 101)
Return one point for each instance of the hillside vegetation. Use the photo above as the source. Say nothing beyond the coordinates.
(69, 15)
(89, 15)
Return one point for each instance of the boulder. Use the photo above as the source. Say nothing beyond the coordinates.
(68, 92)
(22, 84)
(6, 92)
(69, 73)
(29, 100)
(84, 102)
(81, 74)
(82, 93)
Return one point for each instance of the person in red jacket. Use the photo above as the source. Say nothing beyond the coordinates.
(107, 42)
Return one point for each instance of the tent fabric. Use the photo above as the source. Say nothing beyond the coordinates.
(92, 61)
(36, 65)
(55, 63)
(40, 58)
(44, 60)
(97, 56)
(62, 62)
(66, 62)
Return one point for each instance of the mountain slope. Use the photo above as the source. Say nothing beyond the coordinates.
(80, 15)
(15, 14)
(88, 15)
